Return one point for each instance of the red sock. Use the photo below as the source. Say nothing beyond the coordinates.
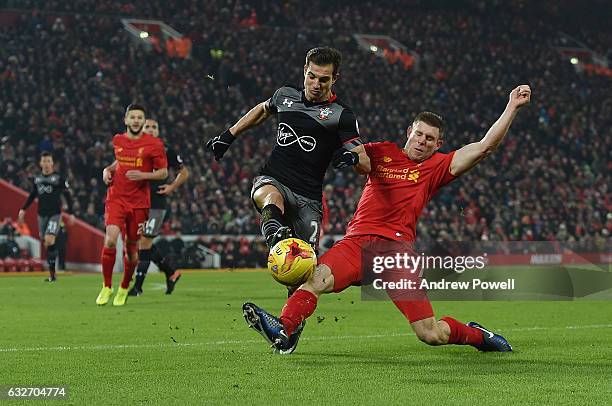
(299, 307)
(461, 334)
(128, 272)
(108, 263)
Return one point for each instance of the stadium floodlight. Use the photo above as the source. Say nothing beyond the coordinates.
(373, 48)
(144, 34)
(574, 60)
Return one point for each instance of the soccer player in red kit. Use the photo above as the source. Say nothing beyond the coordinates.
(139, 158)
(400, 184)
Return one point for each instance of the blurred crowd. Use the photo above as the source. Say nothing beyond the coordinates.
(68, 69)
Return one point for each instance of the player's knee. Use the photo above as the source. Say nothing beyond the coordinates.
(430, 337)
(145, 243)
(111, 236)
(49, 240)
(268, 194)
(321, 281)
(428, 331)
(110, 242)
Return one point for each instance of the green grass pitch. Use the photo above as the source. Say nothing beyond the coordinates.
(194, 348)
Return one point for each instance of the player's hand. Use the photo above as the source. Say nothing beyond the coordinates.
(135, 175)
(520, 97)
(21, 217)
(220, 144)
(343, 159)
(165, 190)
(107, 176)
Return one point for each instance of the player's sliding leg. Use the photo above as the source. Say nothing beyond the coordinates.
(283, 333)
(109, 252)
(51, 256)
(274, 226)
(448, 330)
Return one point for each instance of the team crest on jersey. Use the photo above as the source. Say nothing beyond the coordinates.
(324, 113)
(414, 175)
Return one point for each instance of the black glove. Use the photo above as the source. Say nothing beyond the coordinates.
(344, 159)
(220, 144)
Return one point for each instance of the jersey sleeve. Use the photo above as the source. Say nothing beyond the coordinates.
(348, 129)
(175, 160)
(67, 194)
(160, 160)
(442, 175)
(33, 194)
(271, 104)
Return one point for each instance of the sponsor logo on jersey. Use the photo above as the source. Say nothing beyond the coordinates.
(287, 136)
(324, 113)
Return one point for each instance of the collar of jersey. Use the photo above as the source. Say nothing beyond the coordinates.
(308, 103)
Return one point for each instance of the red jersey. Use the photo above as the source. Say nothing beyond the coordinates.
(396, 191)
(144, 154)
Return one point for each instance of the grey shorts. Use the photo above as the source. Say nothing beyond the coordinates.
(304, 214)
(49, 225)
(155, 222)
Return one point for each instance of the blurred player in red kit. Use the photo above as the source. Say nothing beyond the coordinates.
(400, 184)
(139, 158)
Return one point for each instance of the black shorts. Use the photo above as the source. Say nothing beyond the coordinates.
(304, 214)
(49, 225)
(155, 222)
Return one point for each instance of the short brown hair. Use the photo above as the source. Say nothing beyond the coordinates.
(431, 119)
(325, 56)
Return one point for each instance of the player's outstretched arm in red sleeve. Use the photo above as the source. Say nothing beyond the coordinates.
(468, 156)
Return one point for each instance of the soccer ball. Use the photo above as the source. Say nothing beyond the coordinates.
(292, 261)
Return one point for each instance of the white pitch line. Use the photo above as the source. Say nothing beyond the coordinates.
(225, 342)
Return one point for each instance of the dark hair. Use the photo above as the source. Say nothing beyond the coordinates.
(135, 106)
(432, 119)
(46, 153)
(325, 56)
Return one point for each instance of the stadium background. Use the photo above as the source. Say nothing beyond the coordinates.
(68, 69)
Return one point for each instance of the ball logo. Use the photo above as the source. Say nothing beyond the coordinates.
(287, 136)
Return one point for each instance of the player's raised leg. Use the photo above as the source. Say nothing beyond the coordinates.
(271, 204)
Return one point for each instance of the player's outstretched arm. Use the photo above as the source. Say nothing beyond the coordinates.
(468, 156)
(221, 143)
(356, 157)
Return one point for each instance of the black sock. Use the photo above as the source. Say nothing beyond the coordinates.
(144, 260)
(162, 262)
(51, 257)
(271, 220)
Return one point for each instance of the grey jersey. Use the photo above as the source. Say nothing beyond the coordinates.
(308, 134)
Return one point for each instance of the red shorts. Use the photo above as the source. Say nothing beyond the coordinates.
(130, 221)
(344, 260)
